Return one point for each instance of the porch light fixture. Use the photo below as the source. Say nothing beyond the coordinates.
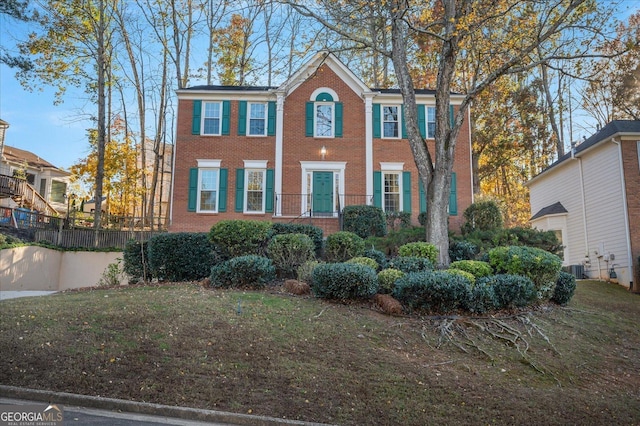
(323, 151)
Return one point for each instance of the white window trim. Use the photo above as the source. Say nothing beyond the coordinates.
(308, 167)
(394, 171)
(202, 119)
(266, 118)
(246, 190)
(217, 189)
(333, 119)
(209, 164)
(426, 121)
(382, 121)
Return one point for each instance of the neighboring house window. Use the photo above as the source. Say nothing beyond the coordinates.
(392, 194)
(58, 191)
(324, 115)
(431, 122)
(208, 180)
(212, 118)
(390, 121)
(207, 187)
(257, 119)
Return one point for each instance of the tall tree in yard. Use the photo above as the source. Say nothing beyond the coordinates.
(509, 37)
(74, 48)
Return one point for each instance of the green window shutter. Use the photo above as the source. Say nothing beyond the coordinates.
(309, 120)
(268, 203)
(377, 125)
(377, 189)
(193, 189)
(423, 197)
(453, 197)
(242, 118)
(222, 193)
(451, 115)
(422, 120)
(226, 117)
(197, 114)
(271, 119)
(239, 190)
(338, 106)
(404, 126)
(406, 192)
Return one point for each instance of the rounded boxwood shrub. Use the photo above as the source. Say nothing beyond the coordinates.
(462, 250)
(240, 237)
(378, 256)
(433, 291)
(476, 268)
(366, 261)
(365, 221)
(565, 287)
(343, 281)
(313, 232)
(289, 251)
(181, 256)
(305, 271)
(482, 216)
(135, 260)
(249, 271)
(342, 246)
(419, 249)
(409, 264)
(464, 274)
(510, 290)
(540, 266)
(482, 298)
(387, 280)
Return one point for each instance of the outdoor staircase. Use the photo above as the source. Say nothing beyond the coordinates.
(25, 195)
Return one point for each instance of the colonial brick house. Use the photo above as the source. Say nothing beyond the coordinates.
(591, 198)
(303, 151)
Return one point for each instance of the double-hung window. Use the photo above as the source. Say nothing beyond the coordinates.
(208, 187)
(257, 119)
(324, 120)
(392, 192)
(212, 118)
(323, 115)
(255, 187)
(391, 121)
(431, 122)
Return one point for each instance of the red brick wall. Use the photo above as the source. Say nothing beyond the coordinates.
(350, 148)
(632, 181)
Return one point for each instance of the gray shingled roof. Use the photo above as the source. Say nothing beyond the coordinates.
(556, 208)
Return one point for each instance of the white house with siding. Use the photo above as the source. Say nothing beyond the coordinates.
(591, 198)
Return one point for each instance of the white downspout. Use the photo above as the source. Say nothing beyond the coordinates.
(277, 184)
(625, 209)
(368, 146)
(584, 207)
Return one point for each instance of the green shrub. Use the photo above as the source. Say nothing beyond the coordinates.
(398, 220)
(313, 232)
(510, 290)
(565, 287)
(420, 249)
(462, 250)
(249, 271)
(540, 266)
(409, 264)
(519, 236)
(289, 251)
(344, 281)
(364, 221)
(432, 291)
(378, 256)
(482, 216)
(387, 279)
(476, 268)
(343, 246)
(305, 271)
(181, 256)
(366, 261)
(240, 237)
(482, 298)
(394, 239)
(464, 274)
(135, 260)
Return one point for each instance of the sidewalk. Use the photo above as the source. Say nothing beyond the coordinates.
(5, 295)
(94, 410)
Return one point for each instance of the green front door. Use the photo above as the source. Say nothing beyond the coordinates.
(322, 194)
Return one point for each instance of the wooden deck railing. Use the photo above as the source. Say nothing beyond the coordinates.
(24, 194)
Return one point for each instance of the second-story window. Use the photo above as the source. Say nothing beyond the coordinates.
(212, 118)
(431, 122)
(390, 121)
(257, 119)
(324, 115)
(324, 120)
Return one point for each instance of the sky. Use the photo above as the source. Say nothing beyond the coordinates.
(57, 133)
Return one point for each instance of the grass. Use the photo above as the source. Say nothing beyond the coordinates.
(269, 353)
